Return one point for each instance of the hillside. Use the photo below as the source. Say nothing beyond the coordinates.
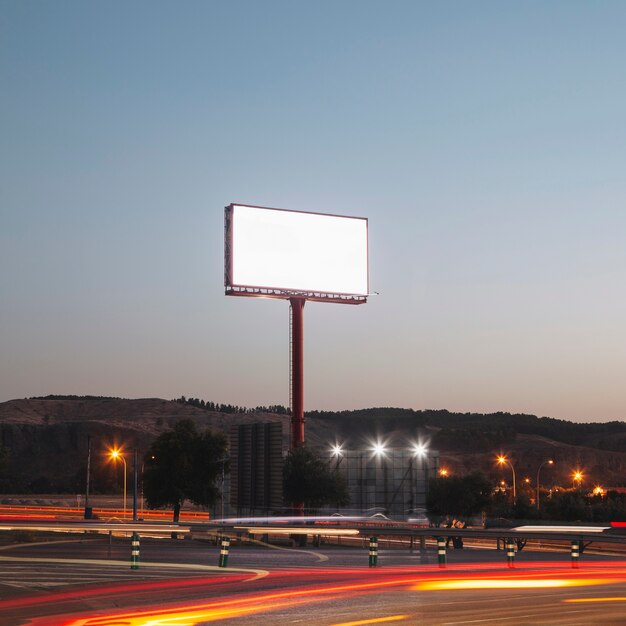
(46, 438)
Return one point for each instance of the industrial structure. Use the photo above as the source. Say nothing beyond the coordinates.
(384, 479)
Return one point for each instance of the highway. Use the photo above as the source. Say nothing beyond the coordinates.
(88, 581)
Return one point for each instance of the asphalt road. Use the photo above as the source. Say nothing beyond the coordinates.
(90, 582)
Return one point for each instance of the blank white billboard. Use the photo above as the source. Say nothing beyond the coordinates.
(295, 253)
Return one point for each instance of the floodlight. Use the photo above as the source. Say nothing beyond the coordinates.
(379, 448)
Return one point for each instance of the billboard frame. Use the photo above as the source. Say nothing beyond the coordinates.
(260, 291)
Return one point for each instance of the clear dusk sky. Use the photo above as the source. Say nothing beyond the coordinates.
(485, 142)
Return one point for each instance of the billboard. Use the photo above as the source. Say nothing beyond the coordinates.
(281, 253)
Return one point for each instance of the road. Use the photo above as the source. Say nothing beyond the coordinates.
(89, 582)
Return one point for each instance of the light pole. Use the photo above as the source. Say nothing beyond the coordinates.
(115, 454)
(379, 449)
(143, 466)
(420, 450)
(88, 509)
(548, 462)
(502, 460)
(337, 452)
(223, 461)
(577, 476)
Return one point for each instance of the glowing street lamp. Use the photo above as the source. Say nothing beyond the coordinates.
(116, 454)
(577, 476)
(502, 460)
(548, 462)
(443, 472)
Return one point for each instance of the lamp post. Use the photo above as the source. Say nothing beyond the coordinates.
(502, 460)
(337, 452)
(379, 449)
(87, 507)
(420, 450)
(115, 454)
(548, 462)
(143, 467)
(223, 461)
(577, 477)
(135, 461)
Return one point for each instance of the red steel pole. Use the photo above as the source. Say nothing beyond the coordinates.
(297, 372)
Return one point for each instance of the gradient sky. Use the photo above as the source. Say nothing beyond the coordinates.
(485, 142)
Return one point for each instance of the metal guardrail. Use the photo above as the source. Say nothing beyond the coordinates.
(585, 534)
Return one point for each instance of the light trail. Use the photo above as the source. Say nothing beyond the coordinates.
(367, 583)
(375, 620)
(497, 583)
(294, 530)
(610, 599)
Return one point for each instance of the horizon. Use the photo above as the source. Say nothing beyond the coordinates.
(252, 409)
(483, 143)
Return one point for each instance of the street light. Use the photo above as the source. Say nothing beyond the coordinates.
(421, 450)
(337, 452)
(577, 475)
(379, 451)
(143, 465)
(502, 460)
(115, 454)
(443, 472)
(379, 448)
(548, 462)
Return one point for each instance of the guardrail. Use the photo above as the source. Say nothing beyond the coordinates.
(586, 535)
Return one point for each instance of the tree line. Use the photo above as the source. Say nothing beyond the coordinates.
(230, 408)
(463, 497)
(459, 429)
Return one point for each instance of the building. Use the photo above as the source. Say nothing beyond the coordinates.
(256, 469)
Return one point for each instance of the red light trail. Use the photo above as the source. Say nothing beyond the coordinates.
(332, 585)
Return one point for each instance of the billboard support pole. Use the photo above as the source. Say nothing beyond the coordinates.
(297, 372)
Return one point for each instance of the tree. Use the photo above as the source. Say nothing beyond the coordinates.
(183, 464)
(458, 496)
(568, 505)
(309, 479)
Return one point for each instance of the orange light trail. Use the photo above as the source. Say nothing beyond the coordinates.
(375, 620)
(255, 603)
(613, 599)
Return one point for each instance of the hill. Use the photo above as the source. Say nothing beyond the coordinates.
(46, 438)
